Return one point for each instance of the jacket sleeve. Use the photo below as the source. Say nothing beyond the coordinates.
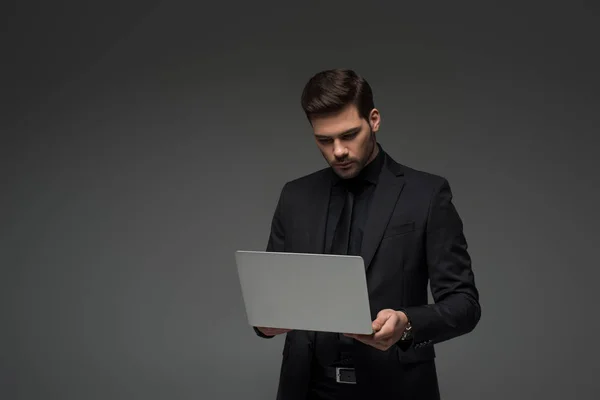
(456, 309)
(276, 238)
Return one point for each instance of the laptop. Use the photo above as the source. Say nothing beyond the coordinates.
(300, 291)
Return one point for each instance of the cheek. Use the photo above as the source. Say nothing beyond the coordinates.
(360, 147)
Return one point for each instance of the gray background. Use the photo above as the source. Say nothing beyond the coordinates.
(142, 144)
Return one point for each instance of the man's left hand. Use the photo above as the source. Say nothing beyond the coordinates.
(387, 330)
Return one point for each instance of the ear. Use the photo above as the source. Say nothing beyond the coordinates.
(374, 119)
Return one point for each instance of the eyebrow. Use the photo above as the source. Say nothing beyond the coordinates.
(346, 132)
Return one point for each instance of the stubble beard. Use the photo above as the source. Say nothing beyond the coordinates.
(361, 163)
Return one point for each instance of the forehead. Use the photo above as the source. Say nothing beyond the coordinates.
(337, 123)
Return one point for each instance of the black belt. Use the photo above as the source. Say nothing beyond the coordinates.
(342, 371)
(341, 374)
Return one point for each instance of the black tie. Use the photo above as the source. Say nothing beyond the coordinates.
(341, 237)
(332, 347)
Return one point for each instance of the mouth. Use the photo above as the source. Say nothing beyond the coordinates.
(343, 165)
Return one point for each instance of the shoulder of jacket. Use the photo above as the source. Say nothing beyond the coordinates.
(424, 179)
(308, 180)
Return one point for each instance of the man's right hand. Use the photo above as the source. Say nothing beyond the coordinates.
(272, 331)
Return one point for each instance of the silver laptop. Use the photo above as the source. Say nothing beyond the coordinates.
(314, 292)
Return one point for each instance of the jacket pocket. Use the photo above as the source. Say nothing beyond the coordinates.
(398, 228)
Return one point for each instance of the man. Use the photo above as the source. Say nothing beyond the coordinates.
(404, 225)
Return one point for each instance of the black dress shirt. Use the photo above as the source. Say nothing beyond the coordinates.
(363, 186)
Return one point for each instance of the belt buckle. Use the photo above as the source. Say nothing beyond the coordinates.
(339, 378)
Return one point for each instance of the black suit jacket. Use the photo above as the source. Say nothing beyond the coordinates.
(413, 235)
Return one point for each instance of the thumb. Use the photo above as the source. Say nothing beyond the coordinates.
(382, 317)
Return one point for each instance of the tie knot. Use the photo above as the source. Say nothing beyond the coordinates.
(354, 187)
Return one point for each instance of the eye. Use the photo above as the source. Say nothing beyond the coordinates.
(349, 136)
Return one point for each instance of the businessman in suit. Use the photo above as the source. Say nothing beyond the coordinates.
(403, 223)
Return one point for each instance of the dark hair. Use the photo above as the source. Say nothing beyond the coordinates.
(332, 90)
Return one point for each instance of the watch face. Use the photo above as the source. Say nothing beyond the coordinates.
(407, 334)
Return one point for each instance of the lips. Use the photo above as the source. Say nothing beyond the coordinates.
(343, 165)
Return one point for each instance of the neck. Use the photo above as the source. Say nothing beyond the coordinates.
(374, 153)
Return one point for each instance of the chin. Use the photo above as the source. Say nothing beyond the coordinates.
(346, 174)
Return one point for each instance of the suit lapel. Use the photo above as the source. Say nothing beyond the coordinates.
(391, 182)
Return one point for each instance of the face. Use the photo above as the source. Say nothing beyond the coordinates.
(346, 140)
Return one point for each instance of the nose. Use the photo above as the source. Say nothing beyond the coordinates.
(339, 151)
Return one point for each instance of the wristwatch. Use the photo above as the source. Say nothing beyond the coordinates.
(407, 334)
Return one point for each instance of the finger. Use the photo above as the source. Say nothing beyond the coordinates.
(377, 324)
(274, 331)
(356, 335)
(387, 330)
(382, 318)
(364, 339)
(368, 340)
